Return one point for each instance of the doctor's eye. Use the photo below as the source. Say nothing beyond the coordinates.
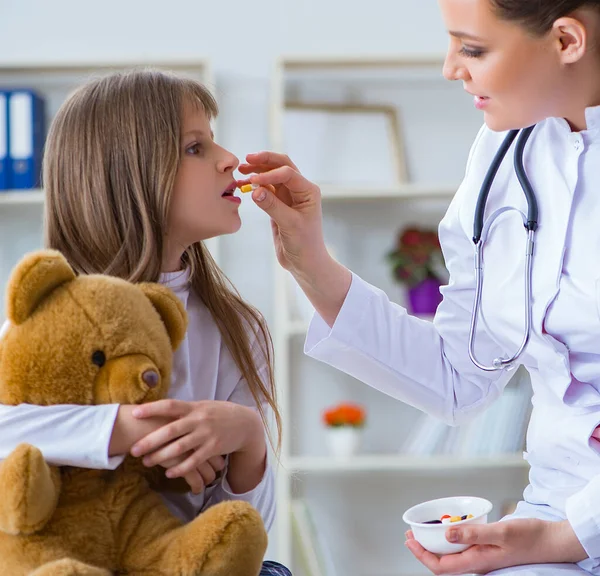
(99, 358)
(471, 52)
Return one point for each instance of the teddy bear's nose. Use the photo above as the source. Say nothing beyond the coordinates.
(150, 377)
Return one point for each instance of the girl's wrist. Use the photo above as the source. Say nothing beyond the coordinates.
(255, 433)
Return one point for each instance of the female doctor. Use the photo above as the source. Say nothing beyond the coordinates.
(526, 62)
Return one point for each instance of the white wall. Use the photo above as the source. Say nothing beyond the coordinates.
(242, 39)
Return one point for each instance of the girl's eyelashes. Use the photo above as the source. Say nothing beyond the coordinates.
(194, 149)
(472, 52)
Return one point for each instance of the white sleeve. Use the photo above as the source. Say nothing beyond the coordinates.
(66, 435)
(424, 364)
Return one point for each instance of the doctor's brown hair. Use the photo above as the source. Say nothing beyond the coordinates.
(110, 161)
(538, 16)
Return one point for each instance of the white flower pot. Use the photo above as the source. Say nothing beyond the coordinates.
(344, 441)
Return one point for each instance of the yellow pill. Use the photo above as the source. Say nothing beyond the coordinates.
(246, 188)
(455, 519)
(470, 516)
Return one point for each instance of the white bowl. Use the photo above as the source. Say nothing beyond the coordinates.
(433, 536)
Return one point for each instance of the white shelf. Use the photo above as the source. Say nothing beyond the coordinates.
(401, 463)
(21, 197)
(353, 69)
(405, 191)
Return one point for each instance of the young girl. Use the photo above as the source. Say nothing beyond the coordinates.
(525, 62)
(134, 184)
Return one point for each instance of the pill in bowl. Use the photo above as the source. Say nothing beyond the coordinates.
(429, 521)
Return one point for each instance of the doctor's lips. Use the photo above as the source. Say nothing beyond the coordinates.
(480, 101)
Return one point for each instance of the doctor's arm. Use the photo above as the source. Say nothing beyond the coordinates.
(357, 329)
(294, 205)
(502, 545)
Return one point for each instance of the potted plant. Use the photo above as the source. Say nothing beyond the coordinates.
(418, 263)
(344, 424)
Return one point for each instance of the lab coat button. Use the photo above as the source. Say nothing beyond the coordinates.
(577, 141)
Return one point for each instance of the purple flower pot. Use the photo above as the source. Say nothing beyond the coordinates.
(425, 297)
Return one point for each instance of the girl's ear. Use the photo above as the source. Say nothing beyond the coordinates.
(170, 309)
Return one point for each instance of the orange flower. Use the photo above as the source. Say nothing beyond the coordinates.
(345, 414)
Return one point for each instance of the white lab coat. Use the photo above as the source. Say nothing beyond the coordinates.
(428, 366)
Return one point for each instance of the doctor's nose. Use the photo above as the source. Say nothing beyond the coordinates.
(454, 71)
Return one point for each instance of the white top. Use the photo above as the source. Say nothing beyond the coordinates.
(203, 369)
(427, 365)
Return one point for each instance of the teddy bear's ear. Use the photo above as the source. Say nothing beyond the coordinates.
(170, 309)
(32, 280)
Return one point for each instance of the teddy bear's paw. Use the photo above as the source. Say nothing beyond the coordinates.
(30, 490)
(68, 567)
(233, 539)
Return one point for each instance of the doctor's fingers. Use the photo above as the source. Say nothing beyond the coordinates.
(475, 560)
(267, 159)
(303, 194)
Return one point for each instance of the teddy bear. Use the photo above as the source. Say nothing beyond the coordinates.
(95, 339)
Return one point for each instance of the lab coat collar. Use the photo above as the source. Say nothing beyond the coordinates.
(592, 118)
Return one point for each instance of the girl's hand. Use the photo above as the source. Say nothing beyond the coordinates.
(294, 205)
(200, 431)
(503, 544)
(203, 476)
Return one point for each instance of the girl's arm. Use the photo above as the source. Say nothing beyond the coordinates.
(206, 429)
(249, 475)
(128, 430)
(69, 435)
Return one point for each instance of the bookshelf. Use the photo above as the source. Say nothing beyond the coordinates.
(401, 463)
(21, 197)
(21, 211)
(437, 127)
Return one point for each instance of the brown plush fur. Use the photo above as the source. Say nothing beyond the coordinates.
(74, 521)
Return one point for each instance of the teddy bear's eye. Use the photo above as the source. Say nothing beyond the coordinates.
(98, 358)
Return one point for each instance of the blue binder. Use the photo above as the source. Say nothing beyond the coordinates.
(25, 138)
(4, 164)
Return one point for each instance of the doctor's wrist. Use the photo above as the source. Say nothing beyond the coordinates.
(562, 543)
(326, 283)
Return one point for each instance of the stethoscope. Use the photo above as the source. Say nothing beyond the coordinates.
(479, 237)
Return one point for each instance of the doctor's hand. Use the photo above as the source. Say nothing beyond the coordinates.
(503, 544)
(294, 205)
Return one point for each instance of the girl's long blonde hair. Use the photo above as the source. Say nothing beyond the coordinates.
(111, 157)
